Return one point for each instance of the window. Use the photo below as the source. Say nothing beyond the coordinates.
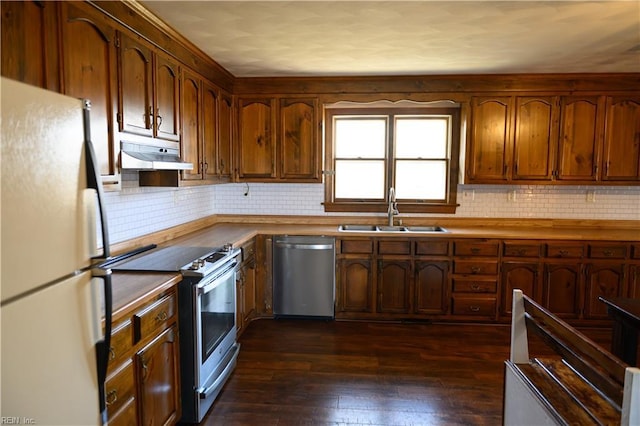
(413, 150)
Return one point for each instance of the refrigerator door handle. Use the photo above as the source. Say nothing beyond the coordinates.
(103, 346)
(93, 179)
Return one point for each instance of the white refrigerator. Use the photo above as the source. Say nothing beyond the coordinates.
(53, 349)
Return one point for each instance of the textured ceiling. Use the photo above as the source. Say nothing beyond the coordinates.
(328, 38)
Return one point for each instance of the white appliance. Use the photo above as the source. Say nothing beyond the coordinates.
(53, 350)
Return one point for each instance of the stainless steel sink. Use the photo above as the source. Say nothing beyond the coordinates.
(426, 229)
(357, 228)
(381, 228)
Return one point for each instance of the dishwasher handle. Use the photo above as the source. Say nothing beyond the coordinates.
(300, 246)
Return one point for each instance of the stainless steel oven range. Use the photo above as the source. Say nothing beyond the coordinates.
(207, 318)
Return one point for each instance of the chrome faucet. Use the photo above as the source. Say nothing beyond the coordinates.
(393, 206)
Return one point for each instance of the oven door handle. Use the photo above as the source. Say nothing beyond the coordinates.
(210, 285)
(204, 393)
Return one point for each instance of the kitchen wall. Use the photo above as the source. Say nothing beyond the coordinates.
(136, 211)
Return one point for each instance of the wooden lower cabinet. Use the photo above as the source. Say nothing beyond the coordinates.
(246, 300)
(602, 279)
(562, 289)
(524, 276)
(431, 284)
(393, 286)
(355, 292)
(158, 375)
(143, 382)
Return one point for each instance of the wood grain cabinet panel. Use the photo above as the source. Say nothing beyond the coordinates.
(29, 34)
(602, 279)
(562, 289)
(356, 285)
(225, 136)
(431, 281)
(393, 286)
(89, 65)
(489, 149)
(622, 139)
(154, 317)
(167, 98)
(157, 369)
(256, 138)
(298, 137)
(535, 138)
(120, 388)
(579, 141)
(121, 343)
(519, 275)
(191, 104)
(477, 306)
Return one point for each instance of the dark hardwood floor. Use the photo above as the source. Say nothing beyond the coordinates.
(296, 372)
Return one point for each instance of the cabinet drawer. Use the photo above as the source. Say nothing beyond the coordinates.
(607, 251)
(521, 250)
(468, 305)
(356, 246)
(432, 248)
(394, 247)
(565, 250)
(475, 248)
(475, 286)
(119, 388)
(475, 267)
(127, 416)
(121, 343)
(635, 251)
(154, 317)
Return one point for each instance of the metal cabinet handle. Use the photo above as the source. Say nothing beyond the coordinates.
(608, 253)
(474, 308)
(563, 252)
(475, 269)
(521, 252)
(162, 316)
(112, 353)
(150, 115)
(158, 119)
(475, 250)
(475, 287)
(112, 397)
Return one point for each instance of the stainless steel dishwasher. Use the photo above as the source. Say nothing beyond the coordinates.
(303, 276)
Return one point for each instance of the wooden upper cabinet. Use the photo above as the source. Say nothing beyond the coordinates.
(136, 110)
(489, 150)
(298, 137)
(535, 137)
(225, 136)
(30, 43)
(579, 139)
(191, 129)
(89, 71)
(256, 128)
(166, 96)
(621, 158)
(210, 124)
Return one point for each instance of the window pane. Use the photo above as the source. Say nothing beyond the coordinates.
(421, 180)
(359, 179)
(421, 137)
(360, 138)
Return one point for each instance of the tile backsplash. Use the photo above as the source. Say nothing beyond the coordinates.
(136, 211)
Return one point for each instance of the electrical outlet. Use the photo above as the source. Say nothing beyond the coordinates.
(591, 196)
(511, 195)
(468, 195)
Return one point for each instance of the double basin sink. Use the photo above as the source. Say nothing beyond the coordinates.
(381, 228)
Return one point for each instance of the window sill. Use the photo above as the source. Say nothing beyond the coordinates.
(367, 207)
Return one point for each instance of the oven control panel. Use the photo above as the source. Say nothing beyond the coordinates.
(211, 262)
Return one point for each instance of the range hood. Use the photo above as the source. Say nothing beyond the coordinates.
(134, 156)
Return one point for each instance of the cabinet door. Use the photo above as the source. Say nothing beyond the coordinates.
(225, 136)
(622, 139)
(210, 120)
(393, 285)
(634, 282)
(489, 149)
(356, 289)
(157, 370)
(298, 138)
(30, 42)
(89, 58)
(535, 137)
(167, 99)
(579, 140)
(136, 87)
(257, 141)
(249, 296)
(520, 275)
(561, 289)
(191, 147)
(602, 280)
(431, 287)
